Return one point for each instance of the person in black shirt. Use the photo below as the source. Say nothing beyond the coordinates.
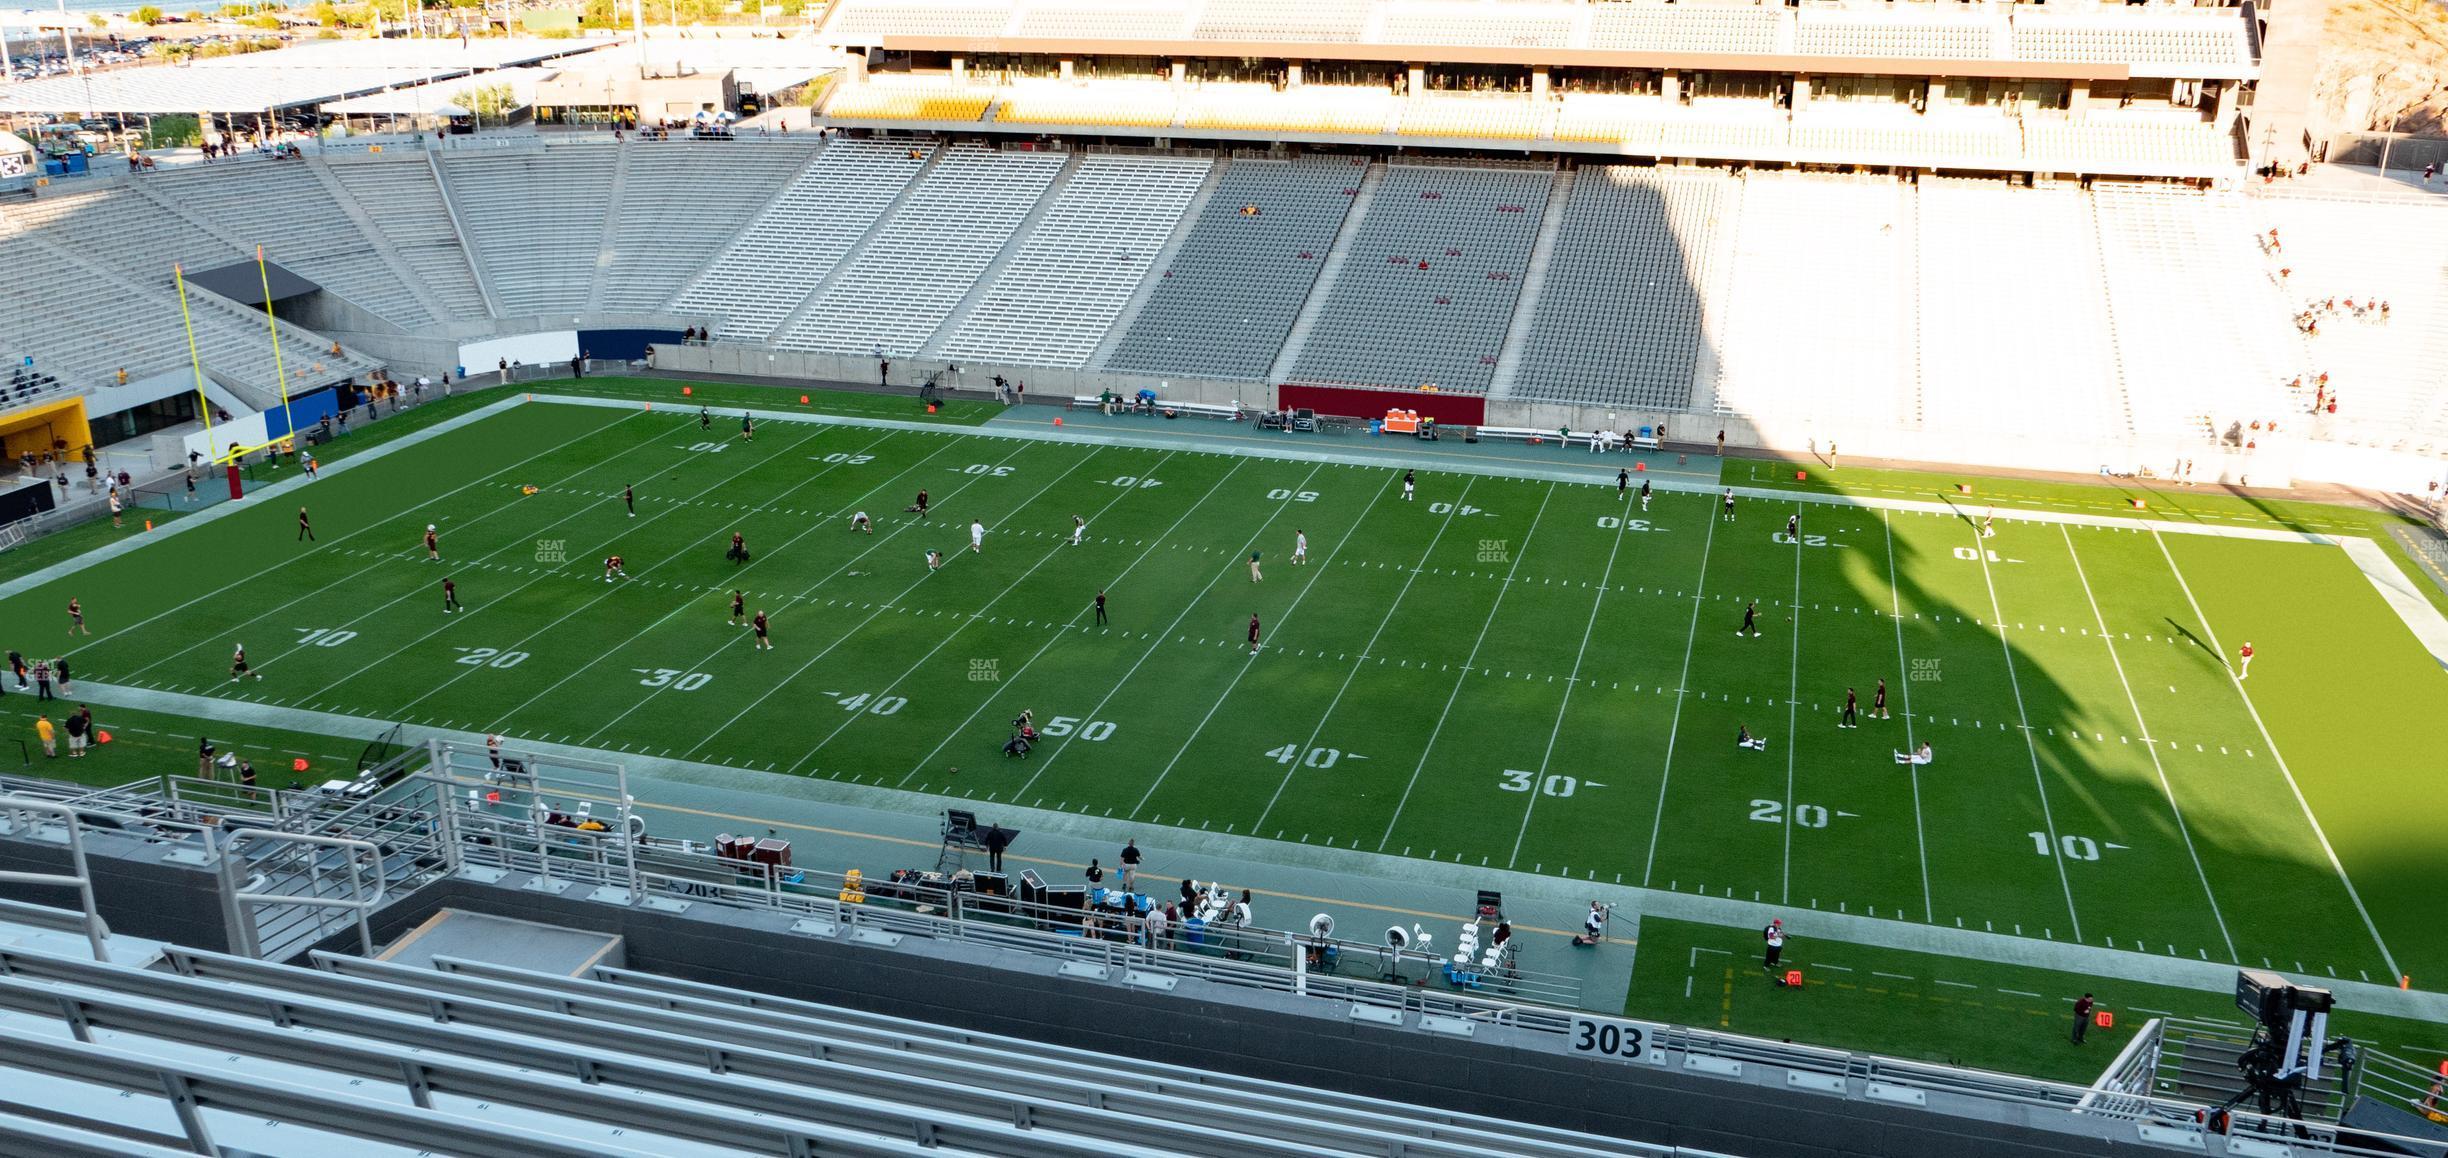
(1100, 608)
(739, 609)
(1850, 718)
(996, 840)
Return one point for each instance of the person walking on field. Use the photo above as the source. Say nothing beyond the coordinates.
(1878, 700)
(76, 620)
(305, 527)
(1079, 527)
(1729, 504)
(1300, 548)
(1623, 483)
(629, 497)
(1100, 609)
(1644, 495)
(433, 544)
(450, 596)
(1750, 623)
(2082, 1017)
(1253, 633)
(44, 732)
(1850, 718)
(1408, 484)
(977, 537)
(1254, 576)
(1774, 935)
(2244, 661)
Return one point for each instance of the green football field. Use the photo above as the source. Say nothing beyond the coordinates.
(1504, 672)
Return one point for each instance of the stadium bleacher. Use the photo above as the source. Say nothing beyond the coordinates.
(1817, 318)
(291, 212)
(65, 251)
(816, 221)
(886, 101)
(1618, 318)
(2385, 370)
(1077, 269)
(680, 201)
(2187, 367)
(1428, 291)
(1222, 306)
(405, 205)
(928, 255)
(2036, 358)
(539, 254)
(285, 1060)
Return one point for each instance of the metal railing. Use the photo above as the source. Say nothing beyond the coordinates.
(19, 813)
(424, 824)
(300, 856)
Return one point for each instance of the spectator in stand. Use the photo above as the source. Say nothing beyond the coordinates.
(1160, 927)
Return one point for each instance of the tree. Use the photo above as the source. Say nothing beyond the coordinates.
(148, 15)
(492, 103)
(98, 20)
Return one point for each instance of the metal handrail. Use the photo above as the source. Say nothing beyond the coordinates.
(97, 934)
(355, 901)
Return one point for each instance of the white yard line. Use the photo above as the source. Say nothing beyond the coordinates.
(734, 637)
(880, 608)
(1793, 697)
(1895, 596)
(2149, 744)
(1061, 544)
(1213, 489)
(2031, 744)
(259, 576)
(1682, 689)
(428, 693)
(362, 615)
(2327, 850)
(1468, 663)
(1097, 712)
(1451, 516)
(1538, 785)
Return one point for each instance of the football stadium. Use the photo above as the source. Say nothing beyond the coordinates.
(1224, 577)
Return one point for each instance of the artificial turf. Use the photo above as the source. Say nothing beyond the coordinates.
(1511, 673)
(1985, 1015)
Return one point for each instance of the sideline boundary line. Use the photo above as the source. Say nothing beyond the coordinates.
(2150, 744)
(2318, 833)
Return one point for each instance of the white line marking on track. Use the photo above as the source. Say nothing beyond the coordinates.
(1467, 661)
(1895, 596)
(1391, 608)
(2030, 745)
(2326, 849)
(1675, 725)
(2165, 785)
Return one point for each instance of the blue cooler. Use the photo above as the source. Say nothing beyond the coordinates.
(1194, 931)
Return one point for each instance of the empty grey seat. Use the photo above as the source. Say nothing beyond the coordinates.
(1427, 292)
(1221, 307)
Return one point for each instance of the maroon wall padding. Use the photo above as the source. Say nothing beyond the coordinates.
(1361, 402)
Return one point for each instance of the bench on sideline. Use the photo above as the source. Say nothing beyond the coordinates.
(1607, 439)
(1193, 409)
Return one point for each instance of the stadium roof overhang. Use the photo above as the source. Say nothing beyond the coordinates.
(1522, 57)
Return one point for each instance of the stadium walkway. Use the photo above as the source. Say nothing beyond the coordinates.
(836, 825)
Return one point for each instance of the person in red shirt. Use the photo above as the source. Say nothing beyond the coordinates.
(2244, 661)
(433, 545)
(762, 641)
(2082, 1018)
(1253, 635)
(612, 567)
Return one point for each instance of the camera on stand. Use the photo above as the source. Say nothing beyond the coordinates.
(2289, 1044)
